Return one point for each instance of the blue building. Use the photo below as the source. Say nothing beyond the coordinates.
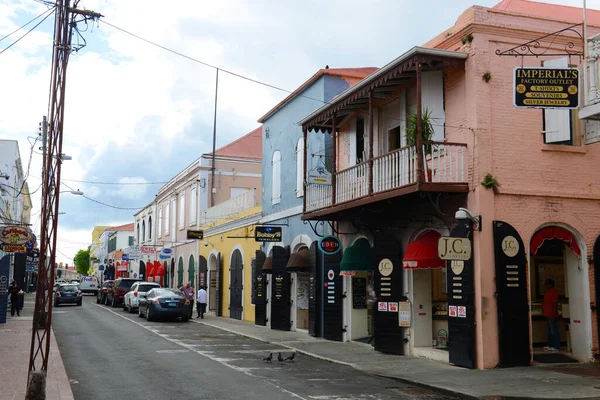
(283, 180)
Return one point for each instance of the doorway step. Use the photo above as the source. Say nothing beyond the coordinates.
(432, 354)
(553, 358)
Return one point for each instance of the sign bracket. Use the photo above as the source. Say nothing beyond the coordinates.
(534, 48)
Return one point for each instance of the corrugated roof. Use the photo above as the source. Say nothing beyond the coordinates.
(356, 73)
(126, 227)
(555, 11)
(248, 146)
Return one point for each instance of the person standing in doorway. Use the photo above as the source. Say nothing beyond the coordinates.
(201, 305)
(551, 314)
(13, 291)
(188, 292)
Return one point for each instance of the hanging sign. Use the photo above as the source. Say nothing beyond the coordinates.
(268, 234)
(386, 267)
(14, 235)
(454, 248)
(546, 88)
(330, 245)
(147, 249)
(195, 234)
(14, 248)
(319, 175)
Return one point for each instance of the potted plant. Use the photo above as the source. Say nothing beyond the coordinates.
(427, 133)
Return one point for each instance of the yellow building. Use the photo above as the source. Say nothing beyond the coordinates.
(95, 250)
(226, 255)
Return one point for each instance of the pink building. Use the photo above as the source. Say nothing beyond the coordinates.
(513, 189)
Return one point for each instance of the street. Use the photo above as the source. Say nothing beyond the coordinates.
(110, 353)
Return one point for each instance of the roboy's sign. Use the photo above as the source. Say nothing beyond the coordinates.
(546, 88)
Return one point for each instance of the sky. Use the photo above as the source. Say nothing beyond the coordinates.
(138, 114)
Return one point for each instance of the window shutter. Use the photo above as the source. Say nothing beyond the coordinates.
(276, 184)
(432, 92)
(352, 134)
(592, 131)
(300, 168)
(557, 123)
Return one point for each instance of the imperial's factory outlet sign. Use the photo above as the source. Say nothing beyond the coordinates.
(546, 87)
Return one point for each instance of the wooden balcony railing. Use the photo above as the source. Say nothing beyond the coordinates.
(443, 163)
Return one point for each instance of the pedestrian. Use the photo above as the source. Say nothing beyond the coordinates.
(201, 305)
(551, 313)
(188, 292)
(14, 291)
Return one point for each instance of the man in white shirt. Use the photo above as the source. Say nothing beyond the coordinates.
(201, 299)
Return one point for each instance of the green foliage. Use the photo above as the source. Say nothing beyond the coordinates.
(467, 39)
(427, 131)
(487, 76)
(82, 261)
(489, 182)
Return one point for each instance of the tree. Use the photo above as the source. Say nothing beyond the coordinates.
(82, 261)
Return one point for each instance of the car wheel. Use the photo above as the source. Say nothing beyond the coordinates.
(185, 319)
(56, 304)
(140, 312)
(97, 299)
(80, 302)
(149, 316)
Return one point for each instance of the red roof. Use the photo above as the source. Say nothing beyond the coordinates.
(554, 11)
(126, 227)
(248, 146)
(355, 75)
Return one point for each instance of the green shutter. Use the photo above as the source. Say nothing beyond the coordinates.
(180, 273)
(191, 270)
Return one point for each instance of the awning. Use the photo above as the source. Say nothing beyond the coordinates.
(423, 252)
(298, 261)
(357, 258)
(149, 269)
(159, 268)
(268, 265)
(550, 233)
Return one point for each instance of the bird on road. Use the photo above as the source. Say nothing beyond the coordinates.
(268, 358)
(291, 358)
(280, 358)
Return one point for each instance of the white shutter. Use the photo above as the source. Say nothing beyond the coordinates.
(276, 184)
(592, 131)
(557, 123)
(352, 135)
(174, 217)
(300, 168)
(160, 221)
(193, 205)
(167, 218)
(432, 99)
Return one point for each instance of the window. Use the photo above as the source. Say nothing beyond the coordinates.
(138, 232)
(167, 215)
(143, 231)
(557, 123)
(300, 168)
(193, 205)
(182, 210)
(360, 140)
(276, 184)
(394, 139)
(174, 217)
(160, 221)
(130, 240)
(150, 228)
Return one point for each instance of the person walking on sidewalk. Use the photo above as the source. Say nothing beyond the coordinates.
(551, 314)
(201, 305)
(188, 292)
(15, 302)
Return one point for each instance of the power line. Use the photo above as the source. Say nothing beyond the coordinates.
(108, 183)
(28, 32)
(105, 204)
(23, 26)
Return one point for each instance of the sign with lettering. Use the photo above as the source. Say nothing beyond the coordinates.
(147, 249)
(195, 234)
(14, 235)
(359, 292)
(546, 88)
(454, 248)
(268, 234)
(319, 175)
(330, 244)
(14, 248)
(404, 314)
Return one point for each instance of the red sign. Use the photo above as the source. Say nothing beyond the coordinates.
(14, 235)
(330, 245)
(147, 250)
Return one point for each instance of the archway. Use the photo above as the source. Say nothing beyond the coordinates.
(191, 271)
(299, 266)
(180, 272)
(556, 255)
(212, 280)
(142, 271)
(236, 285)
(202, 272)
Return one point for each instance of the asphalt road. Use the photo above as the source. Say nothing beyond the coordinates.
(109, 354)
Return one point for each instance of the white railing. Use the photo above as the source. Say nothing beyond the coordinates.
(445, 162)
(317, 196)
(352, 183)
(395, 169)
(229, 208)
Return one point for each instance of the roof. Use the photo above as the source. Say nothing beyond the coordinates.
(126, 227)
(356, 73)
(381, 73)
(248, 146)
(554, 11)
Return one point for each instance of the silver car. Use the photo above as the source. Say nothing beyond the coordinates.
(131, 301)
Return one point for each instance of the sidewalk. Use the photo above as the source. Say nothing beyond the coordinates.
(533, 382)
(15, 344)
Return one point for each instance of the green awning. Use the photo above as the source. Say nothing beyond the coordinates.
(357, 258)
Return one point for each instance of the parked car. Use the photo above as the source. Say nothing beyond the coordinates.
(103, 291)
(116, 293)
(162, 302)
(131, 301)
(88, 284)
(67, 294)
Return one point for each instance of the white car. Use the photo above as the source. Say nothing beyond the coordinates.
(88, 284)
(131, 301)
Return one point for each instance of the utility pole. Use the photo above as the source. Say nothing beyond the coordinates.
(65, 23)
(212, 167)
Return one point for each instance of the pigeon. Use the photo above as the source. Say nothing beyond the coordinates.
(280, 358)
(291, 358)
(268, 358)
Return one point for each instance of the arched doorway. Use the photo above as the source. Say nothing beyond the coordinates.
(167, 281)
(212, 279)
(236, 285)
(180, 272)
(202, 272)
(142, 271)
(556, 256)
(191, 271)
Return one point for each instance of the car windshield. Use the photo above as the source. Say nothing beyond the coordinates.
(69, 288)
(167, 292)
(126, 283)
(146, 288)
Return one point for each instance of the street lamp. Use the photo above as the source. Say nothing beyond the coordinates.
(63, 157)
(75, 192)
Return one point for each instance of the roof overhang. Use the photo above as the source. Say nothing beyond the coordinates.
(395, 73)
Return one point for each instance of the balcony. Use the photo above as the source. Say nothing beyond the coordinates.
(394, 174)
(230, 208)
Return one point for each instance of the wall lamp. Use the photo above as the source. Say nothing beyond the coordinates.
(465, 214)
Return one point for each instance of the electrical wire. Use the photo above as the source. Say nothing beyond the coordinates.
(105, 204)
(23, 26)
(28, 32)
(108, 183)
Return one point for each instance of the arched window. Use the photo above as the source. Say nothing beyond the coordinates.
(276, 184)
(149, 228)
(300, 168)
(143, 231)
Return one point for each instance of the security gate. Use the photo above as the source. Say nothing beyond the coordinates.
(315, 291)
(202, 272)
(333, 307)
(236, 285)
(259, 289)
(280, 290)
(219, 287)
(511, 289)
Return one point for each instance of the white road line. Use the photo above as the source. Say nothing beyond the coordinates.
(221, 361)
(176, 351)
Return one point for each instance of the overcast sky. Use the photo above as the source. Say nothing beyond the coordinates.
(136, 113)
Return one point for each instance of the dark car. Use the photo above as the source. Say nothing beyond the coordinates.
(164, 303)
(103, 291)
(67, 294)
(115, 294)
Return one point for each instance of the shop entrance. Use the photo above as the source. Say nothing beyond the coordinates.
(556, 256)
(202, 271)
(142, 271)
(298, 267)
(236, 285)
(280, 290)
(260, 289)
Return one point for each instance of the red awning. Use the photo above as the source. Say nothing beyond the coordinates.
(550, 233)
(423, 252)
(149, 270)
(159, 268)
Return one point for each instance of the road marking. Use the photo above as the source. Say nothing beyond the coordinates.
(206, 354)
(58, 312)
(172, 351)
